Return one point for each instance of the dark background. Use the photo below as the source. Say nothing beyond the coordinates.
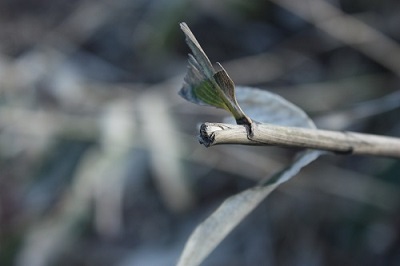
(99, 161)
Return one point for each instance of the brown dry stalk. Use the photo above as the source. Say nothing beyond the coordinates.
(339, 142)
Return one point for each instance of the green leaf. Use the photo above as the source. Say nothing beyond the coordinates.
(205, 86)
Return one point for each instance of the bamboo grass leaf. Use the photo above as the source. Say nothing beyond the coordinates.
(205, 86)
(265, 107)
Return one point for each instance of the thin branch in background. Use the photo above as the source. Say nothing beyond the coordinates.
(264, 67)
(334, 141)
(349, 30)
(343, 118)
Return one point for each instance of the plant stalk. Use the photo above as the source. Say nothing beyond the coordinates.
(340, 142)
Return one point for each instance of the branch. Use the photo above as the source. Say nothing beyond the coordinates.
(340, 142)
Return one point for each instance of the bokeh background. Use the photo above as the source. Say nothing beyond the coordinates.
(99, 160)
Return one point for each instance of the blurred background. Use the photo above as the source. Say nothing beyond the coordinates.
(99, 159)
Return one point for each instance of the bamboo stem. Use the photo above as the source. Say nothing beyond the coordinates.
(340, 142)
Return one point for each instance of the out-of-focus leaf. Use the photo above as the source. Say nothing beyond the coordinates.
(167, 170)
(267, 107)
(233, 210)
(264, 107)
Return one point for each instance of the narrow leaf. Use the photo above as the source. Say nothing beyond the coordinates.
(204, 86)
(197, 51)
(264, 107)
(233, 210)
